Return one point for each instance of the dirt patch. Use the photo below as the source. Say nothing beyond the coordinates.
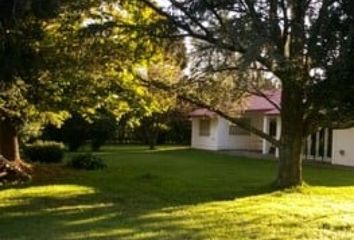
(51, 172)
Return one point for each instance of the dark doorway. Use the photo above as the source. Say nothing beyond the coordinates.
(330, 143)
(273, 127)
(313, 145)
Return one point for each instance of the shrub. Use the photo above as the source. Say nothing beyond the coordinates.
(75, 132)
(87, 162)
(102, 129)
(45, 152)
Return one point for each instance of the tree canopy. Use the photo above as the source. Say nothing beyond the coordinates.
(306, 46)
(60, 57)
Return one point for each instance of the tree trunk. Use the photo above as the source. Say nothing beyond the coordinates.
(291, 141)
(9, 145)
(152, 139)
(152, 145)
(290, 162)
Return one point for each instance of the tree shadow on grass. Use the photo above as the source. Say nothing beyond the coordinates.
(170, 194)
(95, 216)
(114, 204)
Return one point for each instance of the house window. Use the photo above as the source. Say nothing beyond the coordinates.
(204, 127)
(236, 130)
(273, 128)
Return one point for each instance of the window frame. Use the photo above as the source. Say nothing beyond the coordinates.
(204, 127)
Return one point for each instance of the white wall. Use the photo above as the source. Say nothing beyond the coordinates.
(343, 147)
(239, 142)
(266, 146)
(220, 139)
(204, 142)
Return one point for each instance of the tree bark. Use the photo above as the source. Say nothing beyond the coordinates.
(9, 145)
(292, 137)
(290, 162)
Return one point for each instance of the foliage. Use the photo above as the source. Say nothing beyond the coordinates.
(171, 126)
(87, 162)
(69, 56)
(236, 48)
(44, 152)
(24, 70)
(75, 132)
(179, 128)
(51, 133)
(102, 129)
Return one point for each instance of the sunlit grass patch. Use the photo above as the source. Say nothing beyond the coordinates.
(301, 214)
(12, 197)
(177, 193)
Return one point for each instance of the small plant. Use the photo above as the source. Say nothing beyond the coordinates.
(45, 152)
(87, 162)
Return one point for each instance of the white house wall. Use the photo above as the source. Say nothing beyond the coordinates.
(204, 142)
(266, 146)
(343, 147)
(220, 139)
(239, 142)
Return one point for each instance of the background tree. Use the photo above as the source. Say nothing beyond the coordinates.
(102, 129)
(305, 45)
(76, 131)
(61, 57)
(169, 127)
(20, 65)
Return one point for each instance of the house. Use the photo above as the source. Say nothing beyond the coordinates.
(212, 132)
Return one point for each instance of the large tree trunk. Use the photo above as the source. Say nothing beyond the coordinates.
(12, 169)
(293, 77)
(9, 145)
(291, 141)
(290, 162)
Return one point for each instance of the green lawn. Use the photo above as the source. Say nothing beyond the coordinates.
(177, 193)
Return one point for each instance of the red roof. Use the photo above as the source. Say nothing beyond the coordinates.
(202, 112)
(255, 104)
(261, 104)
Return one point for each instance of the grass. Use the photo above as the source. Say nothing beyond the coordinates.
(177, 193)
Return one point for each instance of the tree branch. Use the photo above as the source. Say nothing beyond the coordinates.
(199, 103)
(234, 47)
(236, 121)
(322, 16)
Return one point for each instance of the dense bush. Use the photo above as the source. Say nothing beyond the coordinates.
(179, 129)
(87, 162)
(44, 152)
(75, 132)
(171, 127)
(52, 133)
(102, 129)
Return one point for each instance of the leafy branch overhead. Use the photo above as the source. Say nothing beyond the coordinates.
(69, 56)
(241, 47)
